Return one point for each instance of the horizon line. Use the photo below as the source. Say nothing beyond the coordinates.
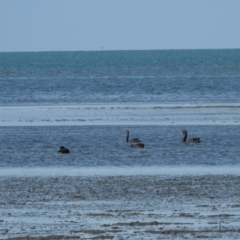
(122, 50)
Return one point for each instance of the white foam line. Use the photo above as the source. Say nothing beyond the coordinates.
(110, 114)
(121, 171)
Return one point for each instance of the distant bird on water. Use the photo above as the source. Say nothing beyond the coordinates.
(192, 140)
(133, 140)
(63, 150)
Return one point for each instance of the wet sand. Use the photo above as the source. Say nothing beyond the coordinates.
(120, 207)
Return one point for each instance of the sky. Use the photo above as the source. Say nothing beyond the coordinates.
(89, 25)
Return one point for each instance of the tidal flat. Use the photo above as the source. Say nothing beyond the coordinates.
(120, 207)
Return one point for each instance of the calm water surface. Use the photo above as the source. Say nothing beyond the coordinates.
(193, 77)
(97, 146)
(186, 76)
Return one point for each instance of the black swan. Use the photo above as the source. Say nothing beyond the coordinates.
(133, 140)
(137, 145)
(63, 150)
(192, 140)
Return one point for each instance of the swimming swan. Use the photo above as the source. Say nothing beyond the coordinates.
(192, 140)
(133, 140)
(63, 150)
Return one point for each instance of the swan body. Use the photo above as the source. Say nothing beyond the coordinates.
(192, 140)
(137, 145)
(132, 140)
(63, 150)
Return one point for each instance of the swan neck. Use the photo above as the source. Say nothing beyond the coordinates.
(185, 137)
(127, 137)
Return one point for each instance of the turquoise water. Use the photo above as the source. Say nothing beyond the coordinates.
(206, 78)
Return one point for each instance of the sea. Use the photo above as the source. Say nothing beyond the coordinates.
(86, 101)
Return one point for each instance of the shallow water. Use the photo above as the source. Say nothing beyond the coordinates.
(120, 207)
(105, 146)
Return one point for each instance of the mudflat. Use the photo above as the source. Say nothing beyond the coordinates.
(120, 207)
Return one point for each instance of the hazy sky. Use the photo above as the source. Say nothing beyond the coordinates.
(51, 25)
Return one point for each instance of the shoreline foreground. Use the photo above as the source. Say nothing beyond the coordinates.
(120, 207)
